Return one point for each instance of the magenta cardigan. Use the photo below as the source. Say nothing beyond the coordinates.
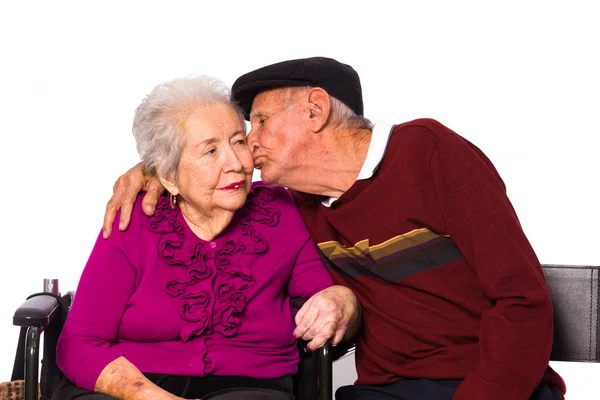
(172, 303)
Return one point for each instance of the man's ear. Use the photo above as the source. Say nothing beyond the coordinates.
(318, 107)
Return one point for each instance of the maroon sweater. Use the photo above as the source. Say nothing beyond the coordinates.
(449, 284)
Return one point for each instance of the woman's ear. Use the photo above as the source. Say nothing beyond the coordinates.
(167, 182)
(318, 108)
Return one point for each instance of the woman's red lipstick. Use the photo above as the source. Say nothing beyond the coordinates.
(234, 186)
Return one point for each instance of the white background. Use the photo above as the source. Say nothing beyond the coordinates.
(520, 79)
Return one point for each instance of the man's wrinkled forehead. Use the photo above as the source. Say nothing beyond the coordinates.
(266, 102)
(274, 99)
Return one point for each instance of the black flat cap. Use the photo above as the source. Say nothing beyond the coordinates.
(339, 80)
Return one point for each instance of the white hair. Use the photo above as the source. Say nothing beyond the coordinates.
(341, 114)
(159, 121)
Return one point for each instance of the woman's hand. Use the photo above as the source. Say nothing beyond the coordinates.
(125, 191)
(332, 313)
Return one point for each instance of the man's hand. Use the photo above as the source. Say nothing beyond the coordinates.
(125, 191)
(333, 312)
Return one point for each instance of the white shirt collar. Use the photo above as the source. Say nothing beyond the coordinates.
(379, 139)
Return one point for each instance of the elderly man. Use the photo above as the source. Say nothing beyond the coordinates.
(415, 220)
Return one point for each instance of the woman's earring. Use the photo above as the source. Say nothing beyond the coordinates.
(172, 201)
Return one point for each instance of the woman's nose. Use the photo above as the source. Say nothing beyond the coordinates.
(232, 162)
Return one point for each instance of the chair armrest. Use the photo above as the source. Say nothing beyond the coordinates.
(342, 350)
(327, 355)
(38, 311)
(325, 372)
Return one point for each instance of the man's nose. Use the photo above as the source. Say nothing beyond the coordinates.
(253, 141)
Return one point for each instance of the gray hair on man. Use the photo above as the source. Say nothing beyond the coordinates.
(342, 115)
(339, 113)
(159, 121)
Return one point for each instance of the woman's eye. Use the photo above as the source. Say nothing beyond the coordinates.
(240, 141)
(210, 152)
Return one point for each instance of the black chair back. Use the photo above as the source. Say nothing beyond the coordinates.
(574, 290)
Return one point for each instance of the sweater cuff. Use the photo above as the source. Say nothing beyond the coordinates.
(477, 387)
(90, 369)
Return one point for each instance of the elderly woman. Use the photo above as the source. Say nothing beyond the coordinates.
(196, 298)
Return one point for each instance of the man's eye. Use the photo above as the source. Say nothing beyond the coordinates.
(210, 152)
(261, 121)
(241, 141)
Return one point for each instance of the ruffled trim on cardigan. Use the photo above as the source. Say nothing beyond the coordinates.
(221, 309)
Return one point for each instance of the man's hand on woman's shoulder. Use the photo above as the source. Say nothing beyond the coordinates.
(125, 191)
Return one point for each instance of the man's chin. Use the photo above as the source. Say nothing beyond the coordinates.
(267, 178)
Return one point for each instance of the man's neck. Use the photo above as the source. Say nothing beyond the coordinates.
(339, 159)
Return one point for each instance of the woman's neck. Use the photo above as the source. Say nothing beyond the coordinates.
(206, 226)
